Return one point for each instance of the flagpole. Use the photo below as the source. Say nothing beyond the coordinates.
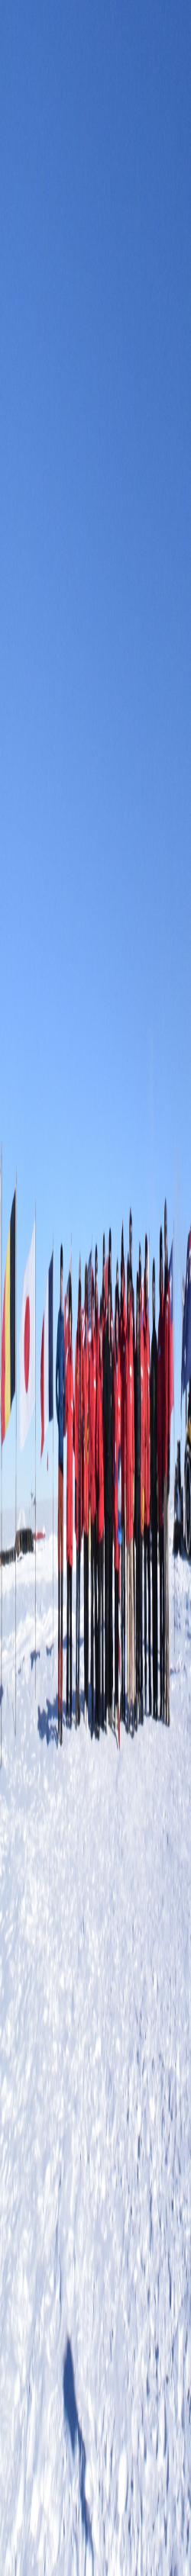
(15, 1454)
(53, 1482)
(35, 1448)
(174, 1428)
(1, 1456)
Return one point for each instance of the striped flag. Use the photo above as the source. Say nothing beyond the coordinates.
(66, 1311)
(46, 1364)
(27, 1343)
(186, 1325)
(8, 1352)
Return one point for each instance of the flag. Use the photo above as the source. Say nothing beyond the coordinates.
(27, 1345)
(186, 1328)
(66, 1312)
(90, 1296)
(171, 1290)
(8, 1352)
(46, 1364)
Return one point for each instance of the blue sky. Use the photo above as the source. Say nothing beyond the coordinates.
(95, 636)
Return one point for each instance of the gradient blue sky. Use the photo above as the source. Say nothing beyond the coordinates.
(95, 635)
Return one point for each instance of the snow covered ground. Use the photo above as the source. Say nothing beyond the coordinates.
(95, 2202)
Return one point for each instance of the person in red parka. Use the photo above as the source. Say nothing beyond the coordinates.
(122, 1347)
(129, 1500)
(166, 1461)
(160, 1471)
(78, 1485)
(147, 1570)
(86, 1496)
(117, 1424)
(69, 1421)
(100, 1517)
(92, 1404)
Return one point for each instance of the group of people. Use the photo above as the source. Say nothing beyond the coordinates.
(115, 1414)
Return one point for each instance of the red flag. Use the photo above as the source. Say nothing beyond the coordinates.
(171, 1355)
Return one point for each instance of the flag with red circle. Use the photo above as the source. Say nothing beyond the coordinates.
(27, 1345)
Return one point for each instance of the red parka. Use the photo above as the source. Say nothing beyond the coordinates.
(92, 1402)
(146, 1341)
(117, 1430)
(160, 1413)
(100, 1451)
(166, 1377)
(78, 1437)
(69, 1429)
(129, 1434)
(86, 1443)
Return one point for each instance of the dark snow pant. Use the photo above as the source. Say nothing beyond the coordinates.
(69, 1639)
(100, 1635)
(86, 1616)
(94, 1618)
(139, 1604)
(123, 1623)
(147, 1576)
(116, 1636)
(78, 1621)
(108, 1613)
(162, 1619)
(60, 1591)
(154, 1603)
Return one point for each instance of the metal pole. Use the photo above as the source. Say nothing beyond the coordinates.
(15, 1454)
(53, 1473)
(1, 1456)
(35, 1449)
(174, 1430)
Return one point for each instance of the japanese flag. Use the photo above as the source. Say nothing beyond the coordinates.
(27, 1345)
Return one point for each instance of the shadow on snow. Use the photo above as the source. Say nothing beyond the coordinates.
(48, 1722)
(76, 2436)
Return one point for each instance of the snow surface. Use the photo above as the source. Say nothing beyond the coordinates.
(95, 2204)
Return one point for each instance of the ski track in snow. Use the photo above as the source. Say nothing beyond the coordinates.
(95, 2204)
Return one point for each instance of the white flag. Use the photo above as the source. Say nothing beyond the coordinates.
(27, 1345)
